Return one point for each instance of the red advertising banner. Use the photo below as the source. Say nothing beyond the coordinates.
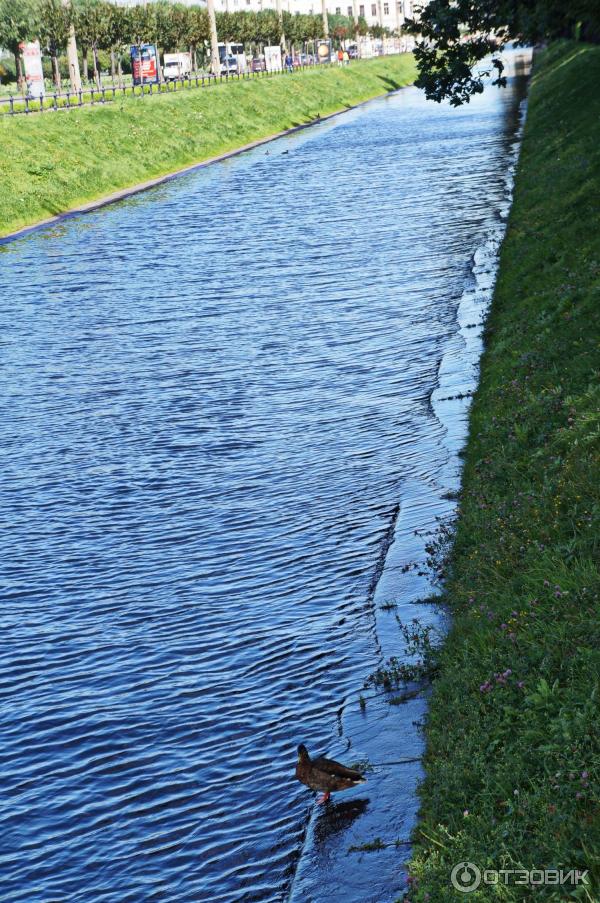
(144, 64)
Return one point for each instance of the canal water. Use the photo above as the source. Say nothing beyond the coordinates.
(228, 413)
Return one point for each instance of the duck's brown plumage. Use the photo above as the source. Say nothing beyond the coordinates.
(324, 774)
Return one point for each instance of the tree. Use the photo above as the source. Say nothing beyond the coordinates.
(268, 27)
(225, 26)
(54, 27)
(197, 31)
(177, 28)
(92, 25)
(117, 33)
(72, 56)
(215, 62)
(379, 31)
(302, 27)
(165, 32)
(341, 27)
(362, 27)
(141, 24)
(458, 34)
(17, 24)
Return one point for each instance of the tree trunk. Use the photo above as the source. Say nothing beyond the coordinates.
(214, 49)
(86, 74)
(73, 59)
(280, 20)
(120, 71)
(325, 19)
(18, 69)
(96, 68)
(113, 65)
(56, 72)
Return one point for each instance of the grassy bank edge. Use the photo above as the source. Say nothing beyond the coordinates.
(513, 729)
(55, 163)
(122, 193)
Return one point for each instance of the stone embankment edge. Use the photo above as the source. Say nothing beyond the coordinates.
(124, 193)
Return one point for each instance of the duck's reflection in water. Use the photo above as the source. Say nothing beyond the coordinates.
(334, 818)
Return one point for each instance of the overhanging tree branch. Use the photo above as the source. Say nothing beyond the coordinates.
(457, 35)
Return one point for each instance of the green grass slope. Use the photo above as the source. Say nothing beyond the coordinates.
(52, 162)
(513, 731)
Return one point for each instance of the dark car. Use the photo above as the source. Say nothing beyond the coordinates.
(257, 65)
(353, 52)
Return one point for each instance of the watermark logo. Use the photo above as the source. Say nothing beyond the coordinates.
(467, 877)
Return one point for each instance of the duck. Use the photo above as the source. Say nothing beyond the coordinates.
(325, 775)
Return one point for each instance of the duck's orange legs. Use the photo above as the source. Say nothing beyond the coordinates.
(324, 798)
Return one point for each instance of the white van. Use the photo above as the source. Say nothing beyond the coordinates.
(176, 66)
(232, 58)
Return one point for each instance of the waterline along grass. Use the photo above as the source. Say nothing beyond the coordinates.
(52, 162)
(513, 731)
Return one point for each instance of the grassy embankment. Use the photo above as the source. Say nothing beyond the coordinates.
(513, 732)
(52, 162)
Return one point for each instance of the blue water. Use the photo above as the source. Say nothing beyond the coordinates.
(213, 397)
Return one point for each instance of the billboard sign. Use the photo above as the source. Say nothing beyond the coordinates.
(272, 58)
(34, 74)
(144, 64)
(323, 51)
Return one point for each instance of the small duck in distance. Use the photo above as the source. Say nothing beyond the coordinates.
(325, 775)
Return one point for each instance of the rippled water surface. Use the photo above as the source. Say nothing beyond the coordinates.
(215, 406)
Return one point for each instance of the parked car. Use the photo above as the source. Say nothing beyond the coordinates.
(304, 59)
(229, 66)
(257, 64)
(353, 52)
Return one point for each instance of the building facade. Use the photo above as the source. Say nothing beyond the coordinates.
(389, 13)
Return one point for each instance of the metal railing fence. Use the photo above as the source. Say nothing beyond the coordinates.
(92, 96)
